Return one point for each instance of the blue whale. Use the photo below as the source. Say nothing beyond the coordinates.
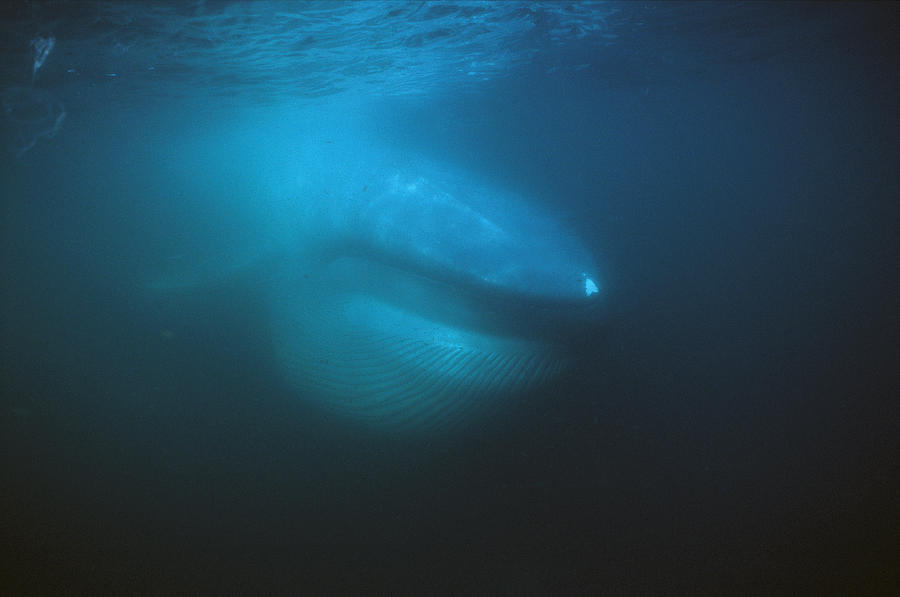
(410, 294)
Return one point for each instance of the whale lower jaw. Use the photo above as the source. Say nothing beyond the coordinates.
(379, 363)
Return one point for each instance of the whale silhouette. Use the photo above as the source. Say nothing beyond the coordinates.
(411, 294)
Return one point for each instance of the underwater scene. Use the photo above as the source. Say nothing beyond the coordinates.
(387, 297)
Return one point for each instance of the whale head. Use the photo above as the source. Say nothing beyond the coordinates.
(417, 296)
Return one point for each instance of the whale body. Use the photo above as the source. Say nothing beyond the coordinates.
(410, 294)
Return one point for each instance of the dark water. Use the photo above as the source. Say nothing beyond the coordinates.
(733, 166)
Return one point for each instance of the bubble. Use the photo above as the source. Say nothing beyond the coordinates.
(42, 48)
(30, 114)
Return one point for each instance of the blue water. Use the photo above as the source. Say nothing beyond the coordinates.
(733, 167)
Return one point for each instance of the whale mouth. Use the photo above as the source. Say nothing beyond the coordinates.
(410, 347)
(457, 300)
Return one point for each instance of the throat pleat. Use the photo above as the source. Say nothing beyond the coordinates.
(383, 365)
